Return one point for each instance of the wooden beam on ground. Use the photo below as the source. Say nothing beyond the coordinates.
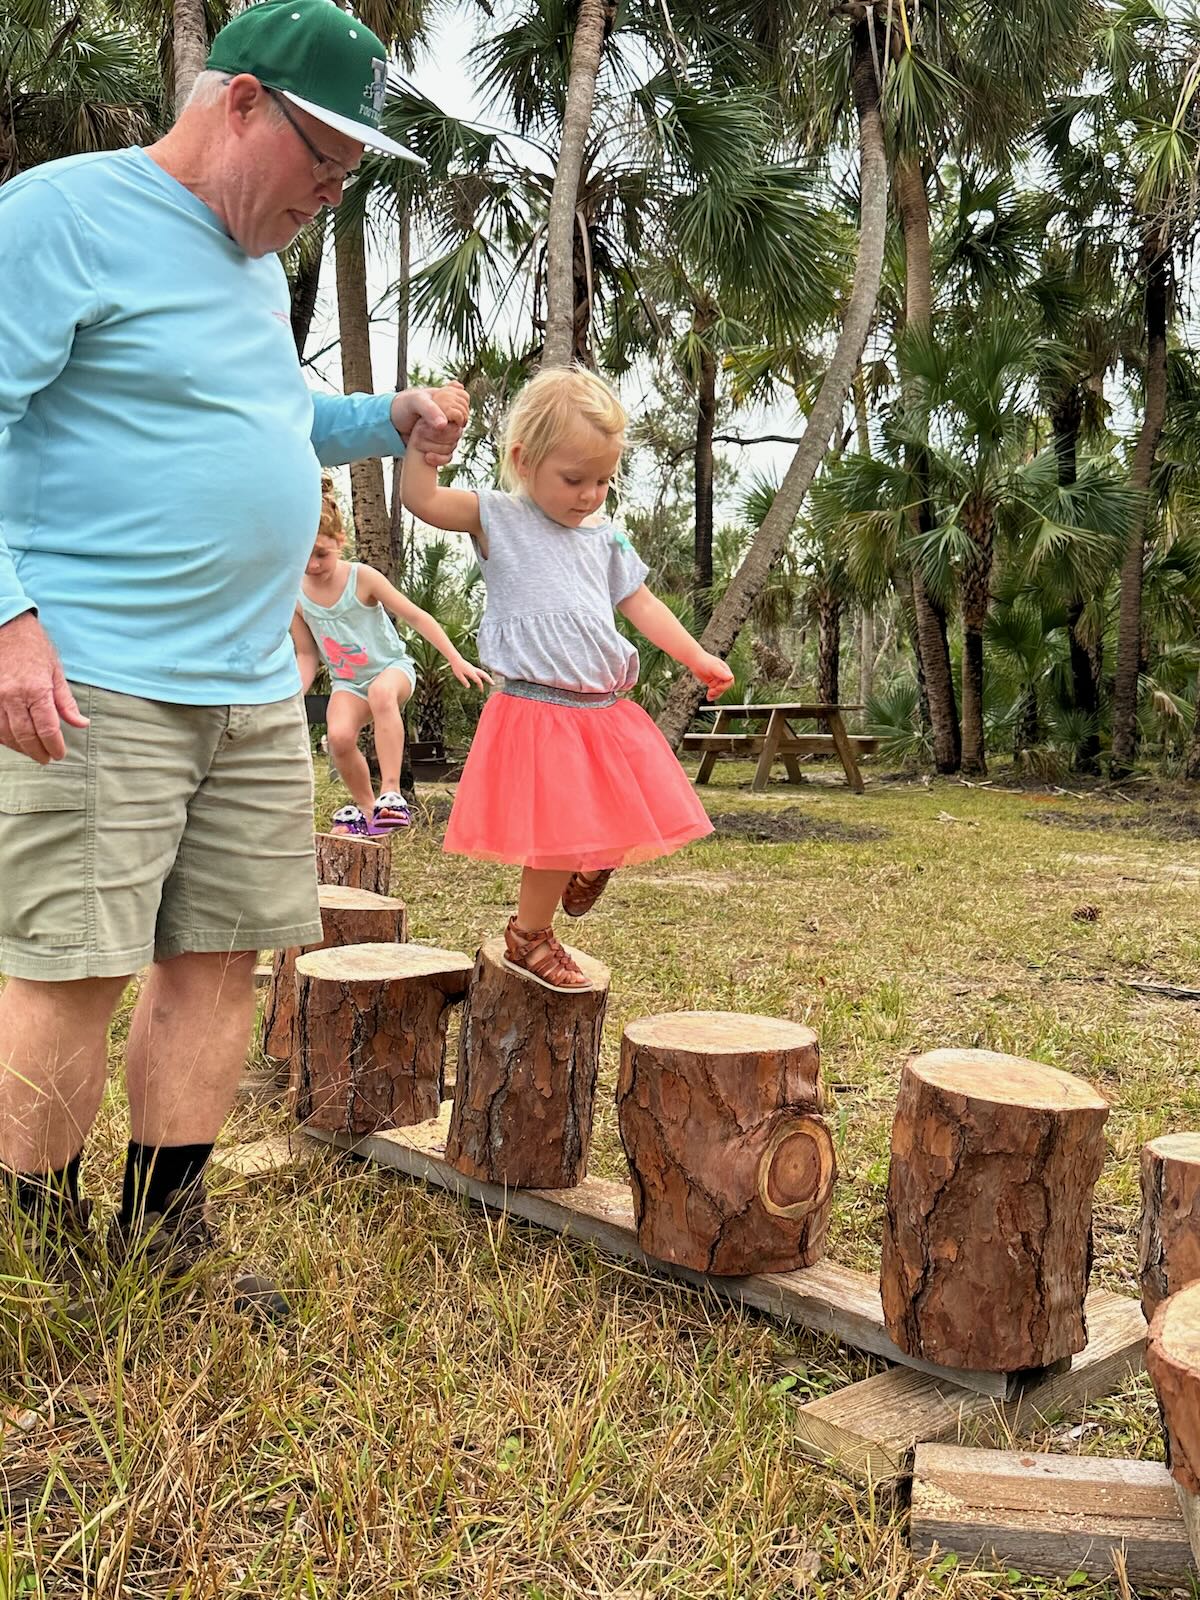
(1052, 1515)
(262, 975)
(255, 1159)
(868, 1430)
(826, 1298)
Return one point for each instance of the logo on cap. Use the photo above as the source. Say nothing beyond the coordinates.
(375, 92)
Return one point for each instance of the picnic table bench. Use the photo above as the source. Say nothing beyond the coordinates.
(780, 741)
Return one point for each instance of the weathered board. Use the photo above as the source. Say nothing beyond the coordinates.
(1052, 1515)
(826, 1297)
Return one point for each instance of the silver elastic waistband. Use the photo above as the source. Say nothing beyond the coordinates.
(556, 697)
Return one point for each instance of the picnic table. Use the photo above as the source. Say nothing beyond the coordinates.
(780, 741)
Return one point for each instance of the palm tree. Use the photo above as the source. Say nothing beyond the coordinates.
(70, 82)
(768, 545)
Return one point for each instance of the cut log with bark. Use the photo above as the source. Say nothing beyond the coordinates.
(371, 1034)
(731, 1162)
(1170, 1243)
(355, 863)
(1173, 1362)
(348, 916)
(525, 1086)
(987, 1241)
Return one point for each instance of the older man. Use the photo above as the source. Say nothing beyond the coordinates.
(159, 492)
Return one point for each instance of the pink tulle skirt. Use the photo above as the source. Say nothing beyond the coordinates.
(569, 788)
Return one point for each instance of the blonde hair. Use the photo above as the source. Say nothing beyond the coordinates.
(331, 525)
(550, 406)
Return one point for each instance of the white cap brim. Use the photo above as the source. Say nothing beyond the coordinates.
(362, 131)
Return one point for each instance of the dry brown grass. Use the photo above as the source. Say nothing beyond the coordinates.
(468, 1407)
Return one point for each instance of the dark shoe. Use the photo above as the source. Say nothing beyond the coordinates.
(57, 1244)
(174, 1242)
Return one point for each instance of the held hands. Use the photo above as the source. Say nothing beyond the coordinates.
(34, 698)
(432, 420)
(713, 672)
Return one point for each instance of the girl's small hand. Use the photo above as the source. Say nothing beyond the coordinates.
(470, 677)
(714, 672)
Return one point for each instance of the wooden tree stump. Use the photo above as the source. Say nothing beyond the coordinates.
(526, 1079)
(1173, 1362)
(371, 1034)
(1170, 1244)
(987, 1242)
(731, 1162)
(348, 916)
(354, 863)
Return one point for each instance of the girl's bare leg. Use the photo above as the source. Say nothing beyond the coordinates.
(345, 719)
(387, 697)
(540, 893)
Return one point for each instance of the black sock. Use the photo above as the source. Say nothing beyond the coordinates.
(154, 1172)
(35, 1192)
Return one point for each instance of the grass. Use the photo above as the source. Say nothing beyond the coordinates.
(467, 1407)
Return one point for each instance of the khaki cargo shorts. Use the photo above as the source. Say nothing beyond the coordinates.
(166, 829)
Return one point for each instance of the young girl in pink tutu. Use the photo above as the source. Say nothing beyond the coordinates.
(566, 777)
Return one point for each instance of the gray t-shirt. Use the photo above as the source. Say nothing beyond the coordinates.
(550, 597)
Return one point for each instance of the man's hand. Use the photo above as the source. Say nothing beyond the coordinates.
(442, 414)
(34, 697)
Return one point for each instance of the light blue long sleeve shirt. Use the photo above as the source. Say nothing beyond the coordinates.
(159, 449)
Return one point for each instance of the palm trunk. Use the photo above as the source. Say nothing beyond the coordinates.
(306, 283)
(932, 641)
(975, 585)
(560, 224)
(829, 645)
(372, 528)
(706, 421)
(866, 655)
(1191, 763)
(1066, 419)
(190, 47)
(768, 545)
(1029, 728)
(399, 565)
(1156, 260)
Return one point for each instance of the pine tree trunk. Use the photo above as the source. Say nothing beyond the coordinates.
(706, 420)
(768, 545)
(190, 47)
(1156, 265)
(560, 340)
(866, 655)
(400, 566)
(975, 586)
(934, 646)
(372, 526)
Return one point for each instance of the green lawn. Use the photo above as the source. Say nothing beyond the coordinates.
(465, 1407)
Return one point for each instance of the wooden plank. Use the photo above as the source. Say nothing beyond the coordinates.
(826, 1298)
(1051, 1515)
(262, 975)
(259, 1156)
(722, 744)
(869, 1429)
(709, 758)
(797, 744)
(845, 750)
(776, 729)
(759, 710)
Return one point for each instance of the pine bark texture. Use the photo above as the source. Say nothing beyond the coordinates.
(189, 47)
(526, 1080)
(731, 1163)
(1173, 1362)
(372, 523)
(356, 863)
(987, 1241)
(348, 916)
(1169, 1257)
(371, 1034)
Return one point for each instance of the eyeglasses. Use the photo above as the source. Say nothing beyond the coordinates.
(325, 170)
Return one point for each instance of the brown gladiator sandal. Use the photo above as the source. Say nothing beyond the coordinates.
(539, 956)
(583, 890)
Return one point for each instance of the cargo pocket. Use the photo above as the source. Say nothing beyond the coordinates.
(43, 847)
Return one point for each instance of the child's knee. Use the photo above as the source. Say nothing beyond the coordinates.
(342, 744)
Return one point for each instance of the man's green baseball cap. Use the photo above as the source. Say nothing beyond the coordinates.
(323, 59)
